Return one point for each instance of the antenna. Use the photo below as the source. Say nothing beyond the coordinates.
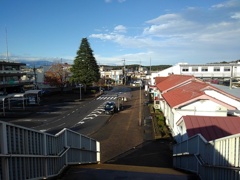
(7, 43)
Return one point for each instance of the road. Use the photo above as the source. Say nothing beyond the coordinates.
(85, 116)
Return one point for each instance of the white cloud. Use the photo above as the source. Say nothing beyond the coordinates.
(227, 4)
(170, 25)
(205, 36)
(111, 36)
(236, 15)
(120, 29)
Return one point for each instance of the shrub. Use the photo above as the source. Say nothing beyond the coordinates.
(93, 91)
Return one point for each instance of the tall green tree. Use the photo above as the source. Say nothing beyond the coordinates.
(85, 69)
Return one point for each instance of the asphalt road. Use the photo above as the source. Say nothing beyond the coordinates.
(85, 116)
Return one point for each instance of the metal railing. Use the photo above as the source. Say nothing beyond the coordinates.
(218, 159)
(29, 154)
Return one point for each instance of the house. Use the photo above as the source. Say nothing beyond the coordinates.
(204, 120)
(166, 84)
(209, 147)
(194, 99)
(210, 127)
(179, 95)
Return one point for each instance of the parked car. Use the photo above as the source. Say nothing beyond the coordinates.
(110, 107)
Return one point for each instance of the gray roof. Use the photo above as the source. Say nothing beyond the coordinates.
(233, 91)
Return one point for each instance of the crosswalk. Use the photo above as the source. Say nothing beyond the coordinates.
(108, 98)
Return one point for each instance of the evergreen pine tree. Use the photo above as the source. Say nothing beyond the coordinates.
(85, 69)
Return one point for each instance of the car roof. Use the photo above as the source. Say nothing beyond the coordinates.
(110, 102)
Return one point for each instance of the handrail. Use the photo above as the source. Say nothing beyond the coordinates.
(30, 154)
(222, 155)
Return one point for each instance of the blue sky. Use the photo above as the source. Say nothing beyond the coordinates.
(138, 31)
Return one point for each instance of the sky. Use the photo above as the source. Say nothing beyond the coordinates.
(145, 32)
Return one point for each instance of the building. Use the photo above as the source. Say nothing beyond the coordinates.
(11, 75)
(206, 72)
(204, 120)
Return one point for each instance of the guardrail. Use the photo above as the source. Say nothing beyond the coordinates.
(29, 154)
(218, 159)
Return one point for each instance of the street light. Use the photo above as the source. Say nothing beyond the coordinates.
(80, 91)
(140, 109)
(118, 102)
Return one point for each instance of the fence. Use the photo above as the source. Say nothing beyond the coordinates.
(30, 154)
(218, 159)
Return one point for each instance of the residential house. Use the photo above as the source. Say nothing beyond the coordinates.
(106, 74)
(168, 83)
(117, 76)
(209, 147)
(210, 127)
(194, 98)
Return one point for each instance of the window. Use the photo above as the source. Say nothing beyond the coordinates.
(204, 69)
(195, 69)
(227, 69)
(216, 69)
(157, 102)
(185, 69)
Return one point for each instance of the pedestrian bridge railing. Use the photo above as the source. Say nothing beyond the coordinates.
(29, 154)
(218, 159)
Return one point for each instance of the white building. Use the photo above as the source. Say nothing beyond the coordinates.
(203, 71)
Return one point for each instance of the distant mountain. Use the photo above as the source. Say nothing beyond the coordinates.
(36, 63)
(225, 62)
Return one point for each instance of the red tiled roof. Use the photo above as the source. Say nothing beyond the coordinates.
(192, 91)
(184, 93)
(212, 127)
(172, 81)
(159, 79)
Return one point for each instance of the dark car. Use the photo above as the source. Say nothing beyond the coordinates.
(110, 108)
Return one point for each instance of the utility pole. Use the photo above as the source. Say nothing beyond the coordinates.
(35, 76)
(140, 107)
(124, 75)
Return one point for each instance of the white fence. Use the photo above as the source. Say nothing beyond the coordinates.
(30, 154)
(219, 159)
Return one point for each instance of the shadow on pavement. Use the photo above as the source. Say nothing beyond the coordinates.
(154, 153)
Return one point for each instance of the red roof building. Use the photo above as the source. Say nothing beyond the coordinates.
(193, 91)
(209, 127)
(159, 79)
(173, 81)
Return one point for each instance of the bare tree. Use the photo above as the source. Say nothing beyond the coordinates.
(58, 75)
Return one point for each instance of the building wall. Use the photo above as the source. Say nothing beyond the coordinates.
(202, 107)
(223, 98)
(199, 70)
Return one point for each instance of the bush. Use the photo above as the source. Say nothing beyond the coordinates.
(157, 111)
(93, 91)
